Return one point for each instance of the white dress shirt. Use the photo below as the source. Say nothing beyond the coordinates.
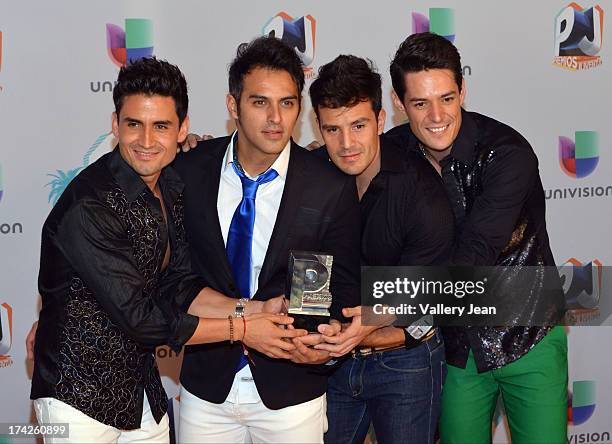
(267, 203)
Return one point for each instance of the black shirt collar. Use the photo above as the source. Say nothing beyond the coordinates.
(463, 146)
(133, 185)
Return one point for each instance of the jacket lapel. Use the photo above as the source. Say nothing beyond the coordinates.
(211, 176)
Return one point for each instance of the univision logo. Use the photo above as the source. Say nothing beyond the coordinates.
(11, 227)
(298, 33)
(579, 158)
(581, 402)
(126, 46)
(6, 334)
(441, 21)
(131, 44)
(580, 408)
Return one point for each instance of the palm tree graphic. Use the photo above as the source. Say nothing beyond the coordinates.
(61, 178)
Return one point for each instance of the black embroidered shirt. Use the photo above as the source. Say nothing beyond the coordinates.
(106, 302)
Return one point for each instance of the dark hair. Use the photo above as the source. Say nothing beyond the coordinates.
(264, 52)
(421, 52)
(345, 81)
(150, 77)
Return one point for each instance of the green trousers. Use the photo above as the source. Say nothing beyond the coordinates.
(533, 389)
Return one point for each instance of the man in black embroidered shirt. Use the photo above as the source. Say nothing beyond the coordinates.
(115, 276)
(491, 175)
(406, 219)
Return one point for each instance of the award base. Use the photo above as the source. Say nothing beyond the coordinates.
(309, 322)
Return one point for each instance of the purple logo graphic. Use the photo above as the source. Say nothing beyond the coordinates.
(132, 44)
(579, 158)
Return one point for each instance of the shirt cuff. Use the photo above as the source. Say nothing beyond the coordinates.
(184, 329)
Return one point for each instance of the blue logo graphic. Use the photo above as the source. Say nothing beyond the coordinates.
(61, 178)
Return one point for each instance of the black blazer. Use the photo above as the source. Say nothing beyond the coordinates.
(319, 211)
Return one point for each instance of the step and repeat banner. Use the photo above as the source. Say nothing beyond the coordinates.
(542, 67)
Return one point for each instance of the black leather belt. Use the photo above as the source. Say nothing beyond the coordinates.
(362, 352)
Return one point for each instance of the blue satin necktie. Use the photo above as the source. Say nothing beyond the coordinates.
(240, 236)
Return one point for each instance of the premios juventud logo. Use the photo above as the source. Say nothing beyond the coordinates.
(578, 37)
(582, 286)
(299, 33)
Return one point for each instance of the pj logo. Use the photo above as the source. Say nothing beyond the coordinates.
(299, 33)
(582, 283)
(578, 37)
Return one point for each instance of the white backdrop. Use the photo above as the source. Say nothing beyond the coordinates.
(55, 112)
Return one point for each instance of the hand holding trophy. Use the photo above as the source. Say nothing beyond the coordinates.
(308, 289)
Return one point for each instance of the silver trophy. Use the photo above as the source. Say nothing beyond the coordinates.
(308, 288)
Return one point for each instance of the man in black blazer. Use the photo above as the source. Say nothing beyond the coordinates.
(307, 205)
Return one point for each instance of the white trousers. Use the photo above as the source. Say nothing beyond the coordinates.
(84, 429)
(205, 422)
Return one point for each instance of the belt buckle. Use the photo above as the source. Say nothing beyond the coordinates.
(362, 352)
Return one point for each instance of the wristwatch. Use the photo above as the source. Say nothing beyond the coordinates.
(240, 305)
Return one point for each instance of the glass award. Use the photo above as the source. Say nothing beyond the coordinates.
(308, 289)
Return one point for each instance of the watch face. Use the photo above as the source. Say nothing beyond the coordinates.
(239, 312)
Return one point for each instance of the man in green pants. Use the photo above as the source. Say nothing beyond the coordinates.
(491, 176)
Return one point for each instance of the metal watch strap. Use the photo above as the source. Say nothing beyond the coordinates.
(240, 305)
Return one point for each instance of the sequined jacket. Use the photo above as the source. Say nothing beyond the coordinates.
(491, 176)
(106, 303)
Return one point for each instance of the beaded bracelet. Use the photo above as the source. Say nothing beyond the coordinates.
(231, 329)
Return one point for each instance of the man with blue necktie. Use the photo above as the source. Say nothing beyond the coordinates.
(250, 199)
